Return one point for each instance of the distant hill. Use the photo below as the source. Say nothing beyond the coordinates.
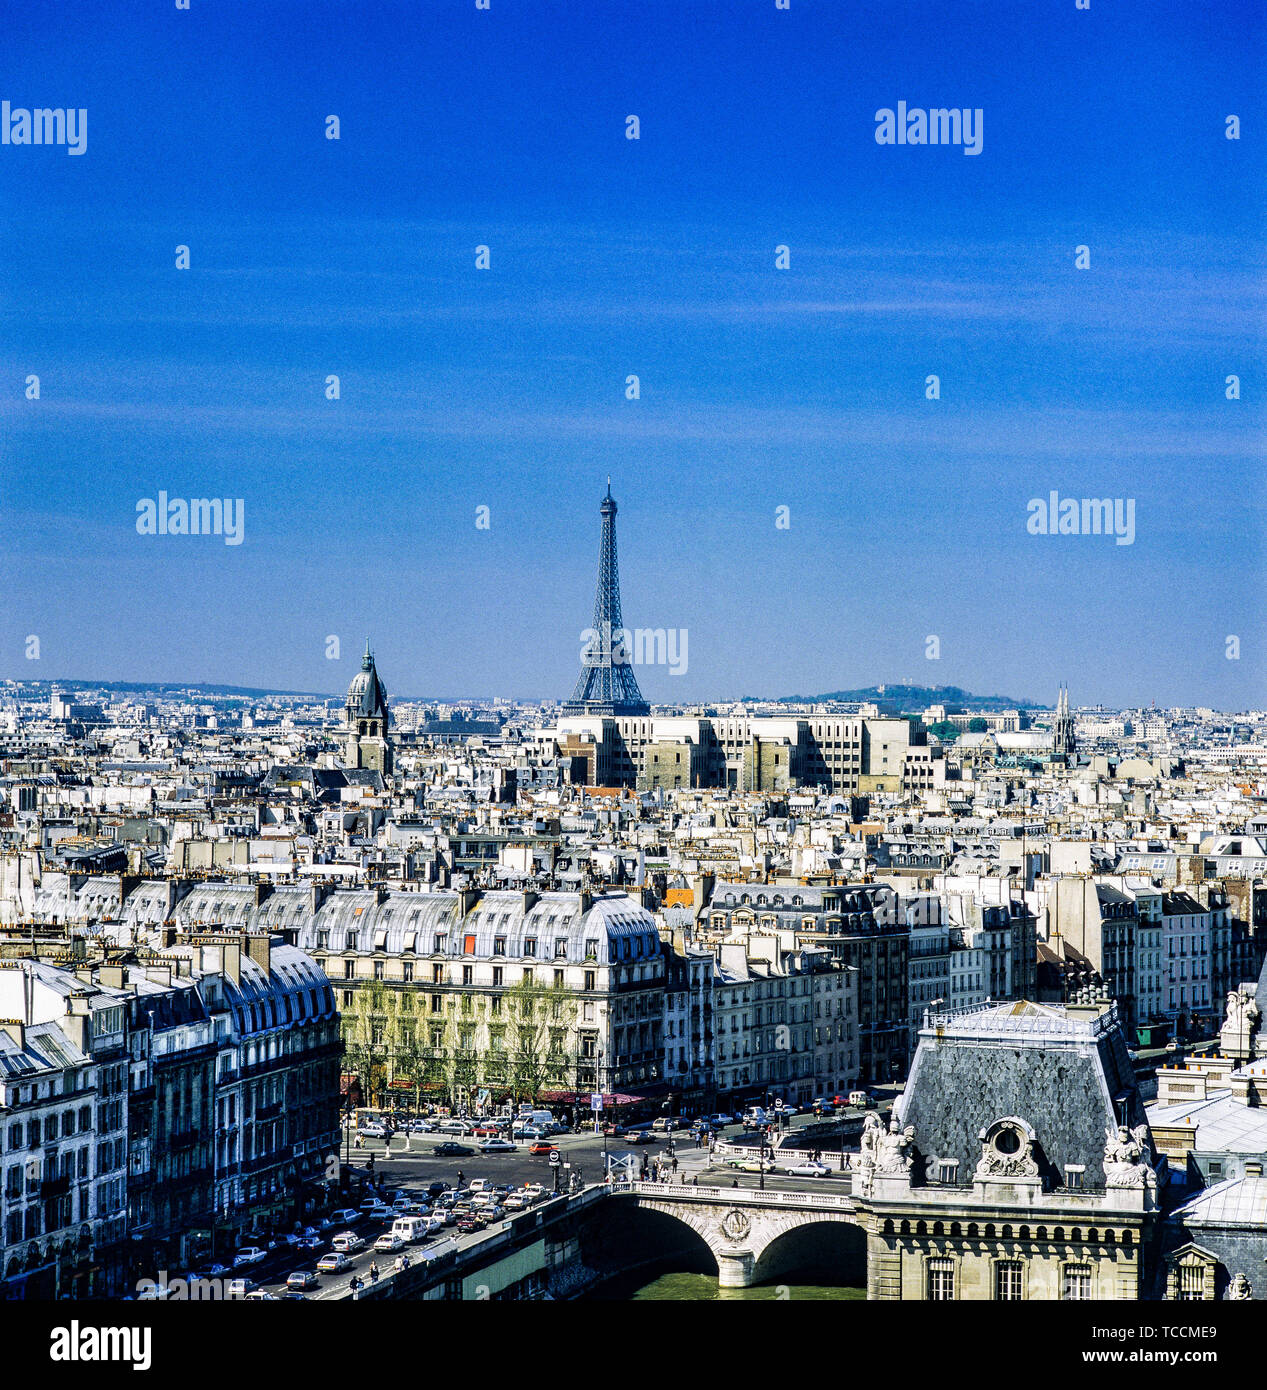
(916, 698)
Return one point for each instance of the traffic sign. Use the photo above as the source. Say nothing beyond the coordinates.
(596, 1102)
(555, 1160)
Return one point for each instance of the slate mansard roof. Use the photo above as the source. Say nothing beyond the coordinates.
(410, 922)
(1066, 1074)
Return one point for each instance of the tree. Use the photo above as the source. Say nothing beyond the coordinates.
(540, 1018)
(977, 725)
(366, 1043)
(945, 730)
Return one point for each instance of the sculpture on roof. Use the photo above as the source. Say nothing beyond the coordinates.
(1126, 1157)
(1240, 1288)
(893, 1148)
(1236, 1038)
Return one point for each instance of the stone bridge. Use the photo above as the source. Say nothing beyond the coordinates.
(745, 1228)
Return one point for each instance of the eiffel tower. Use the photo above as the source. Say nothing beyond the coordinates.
(606, 685)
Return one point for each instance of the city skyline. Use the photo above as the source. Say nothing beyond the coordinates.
(760, 388)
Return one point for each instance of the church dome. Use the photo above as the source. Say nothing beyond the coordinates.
(367, 696)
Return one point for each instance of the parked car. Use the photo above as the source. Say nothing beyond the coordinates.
(809, 1169)
(722, 1120)
(462, 1127)
(301, 1279)
(452, 1151)
(333, 1263)
(497, 1146)
(249, 1255)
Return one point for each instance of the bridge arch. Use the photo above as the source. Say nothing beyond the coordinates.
(745, 1231)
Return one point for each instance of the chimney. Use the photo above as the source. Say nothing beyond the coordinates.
(259, 948)
(112, 976)
(231, 961)
(15, 1028)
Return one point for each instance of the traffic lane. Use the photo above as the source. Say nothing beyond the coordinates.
(421, 1163)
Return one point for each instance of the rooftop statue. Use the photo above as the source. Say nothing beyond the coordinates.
(1126, 1157)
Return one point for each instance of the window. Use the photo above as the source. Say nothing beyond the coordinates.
(1007, 1281)
(558, 979)
(408, 968)
(468, 974)
(560, 948)
(1073, 1175)
(499, 945)
(497, 974)
(437, 1003)
(1077, 1282)
(530, 945)
(349, 969)
(589, 979)
(591, 949)
(469, 946)
(378, 969)
(941, 1281)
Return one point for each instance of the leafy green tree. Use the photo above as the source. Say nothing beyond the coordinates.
(977, 726)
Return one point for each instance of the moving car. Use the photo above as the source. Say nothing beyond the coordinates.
(462, 1127)
(333, 1263)
(542, 1146)
(301, 1279)
(347, 1243)
(389, 1240)
(497, 1146)
(249, 1255)
(640, 1136)
(345, 1216)
(750, 1165)
(811, 1168)
(452, 1151)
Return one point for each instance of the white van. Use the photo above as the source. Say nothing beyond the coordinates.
(411, 1228)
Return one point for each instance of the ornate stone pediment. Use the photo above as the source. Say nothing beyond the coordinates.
(1007, 1150)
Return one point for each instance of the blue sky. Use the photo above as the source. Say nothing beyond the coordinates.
(760, 388)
